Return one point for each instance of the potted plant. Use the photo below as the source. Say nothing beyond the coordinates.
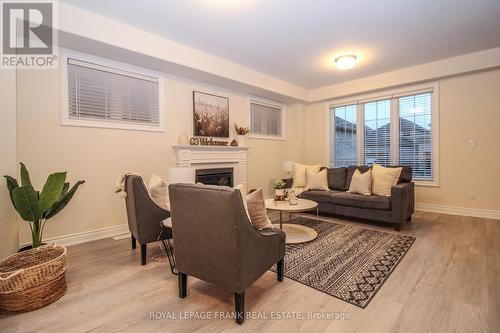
(34, 278)
(37, 207)
(279, 190)
(240, 135)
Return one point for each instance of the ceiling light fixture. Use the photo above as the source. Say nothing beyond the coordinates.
(346, 61)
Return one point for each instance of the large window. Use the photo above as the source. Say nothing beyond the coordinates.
(101, 93)
(266, 120)
(415, 140)
(377, 132)
(344, 129)
(396, 130)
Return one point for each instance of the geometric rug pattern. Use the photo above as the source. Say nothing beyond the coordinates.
(345, 261)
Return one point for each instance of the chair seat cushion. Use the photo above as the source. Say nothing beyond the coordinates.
(318, 196)
(361, 201)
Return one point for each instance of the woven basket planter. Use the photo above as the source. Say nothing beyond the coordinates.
(32, 279)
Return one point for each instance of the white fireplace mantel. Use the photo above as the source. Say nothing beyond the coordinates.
(205, 157)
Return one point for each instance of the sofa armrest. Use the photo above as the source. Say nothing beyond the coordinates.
(402, 201)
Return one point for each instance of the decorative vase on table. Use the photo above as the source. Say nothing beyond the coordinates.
(279, 194)
(279, 190)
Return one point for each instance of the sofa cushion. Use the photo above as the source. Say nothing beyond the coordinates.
(350, 172)
(299, 173)
(317, 180)
(336, 178)
(406, 174)
(318, 196)
(361, 201)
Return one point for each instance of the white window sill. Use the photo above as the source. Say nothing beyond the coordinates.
(121, 126)
(426, 183)
(266, 137)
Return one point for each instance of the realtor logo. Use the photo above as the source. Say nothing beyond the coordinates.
(28, 37)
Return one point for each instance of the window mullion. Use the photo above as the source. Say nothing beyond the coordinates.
(360, 133)
(394, 131)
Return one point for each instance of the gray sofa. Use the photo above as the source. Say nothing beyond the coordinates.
(395, 209)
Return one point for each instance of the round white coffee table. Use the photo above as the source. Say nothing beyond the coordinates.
(295, 233)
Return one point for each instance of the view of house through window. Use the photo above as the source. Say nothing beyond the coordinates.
(363, 133)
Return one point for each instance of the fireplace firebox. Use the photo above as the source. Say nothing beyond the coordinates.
(219, 176)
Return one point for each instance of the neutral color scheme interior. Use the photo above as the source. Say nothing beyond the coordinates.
(446, 282)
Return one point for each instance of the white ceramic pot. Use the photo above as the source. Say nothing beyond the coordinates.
(242, 140)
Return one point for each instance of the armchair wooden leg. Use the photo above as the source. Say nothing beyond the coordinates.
(280, 269)
(239, 307)
(134, 243)
(144, 253)
(182, 278)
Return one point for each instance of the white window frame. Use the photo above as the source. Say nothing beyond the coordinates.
(394, 94)
(119, 67)
(272, 104)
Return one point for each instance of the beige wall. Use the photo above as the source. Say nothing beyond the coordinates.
(99, 156)
(8, 216)
(469, 108)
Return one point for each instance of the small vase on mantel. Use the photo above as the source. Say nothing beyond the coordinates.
(242, 140)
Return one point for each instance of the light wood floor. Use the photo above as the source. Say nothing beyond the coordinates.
(449, 281)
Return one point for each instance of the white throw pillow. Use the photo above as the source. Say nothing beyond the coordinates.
(158, 191)
(384, 179)
(243, 191)
(257, 210)
(299, 173)
(317, 180)
(361, 183)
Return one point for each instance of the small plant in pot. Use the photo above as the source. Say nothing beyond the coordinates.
(279, 190)
(37, 207)
(240, 134)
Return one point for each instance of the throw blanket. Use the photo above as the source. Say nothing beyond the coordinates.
(120, 183)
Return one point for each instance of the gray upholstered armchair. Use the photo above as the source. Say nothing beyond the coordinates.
(144, 215)
(215, 241)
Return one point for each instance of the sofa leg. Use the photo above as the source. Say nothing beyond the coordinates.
(239, 307)
(134, 242)
(397, 227)
(280, 269)
(182, 278)
(408, 219)
(144, 253)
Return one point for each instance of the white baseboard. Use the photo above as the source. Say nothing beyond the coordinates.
(87, 236)
(121, 229)
(473, 212)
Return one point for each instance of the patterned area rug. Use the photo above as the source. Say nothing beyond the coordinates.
(345, 261)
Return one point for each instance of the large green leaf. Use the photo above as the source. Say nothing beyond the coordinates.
(25, 176)
(51, 191)
(26, 203)
(11, 184)
(63, 201)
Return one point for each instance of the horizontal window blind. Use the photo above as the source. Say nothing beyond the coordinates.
(265, 120)
(377, 132)
(344, 121)
(415, 140)
(100, 93)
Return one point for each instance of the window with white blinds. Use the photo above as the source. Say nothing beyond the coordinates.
(266, 120)
(344, 138)
(396, 130)
(99, 95)
(377, 132)
(415, 139)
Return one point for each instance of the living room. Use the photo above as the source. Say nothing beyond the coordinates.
(410, 96)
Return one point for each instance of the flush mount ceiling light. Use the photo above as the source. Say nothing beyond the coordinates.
(346, 61)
